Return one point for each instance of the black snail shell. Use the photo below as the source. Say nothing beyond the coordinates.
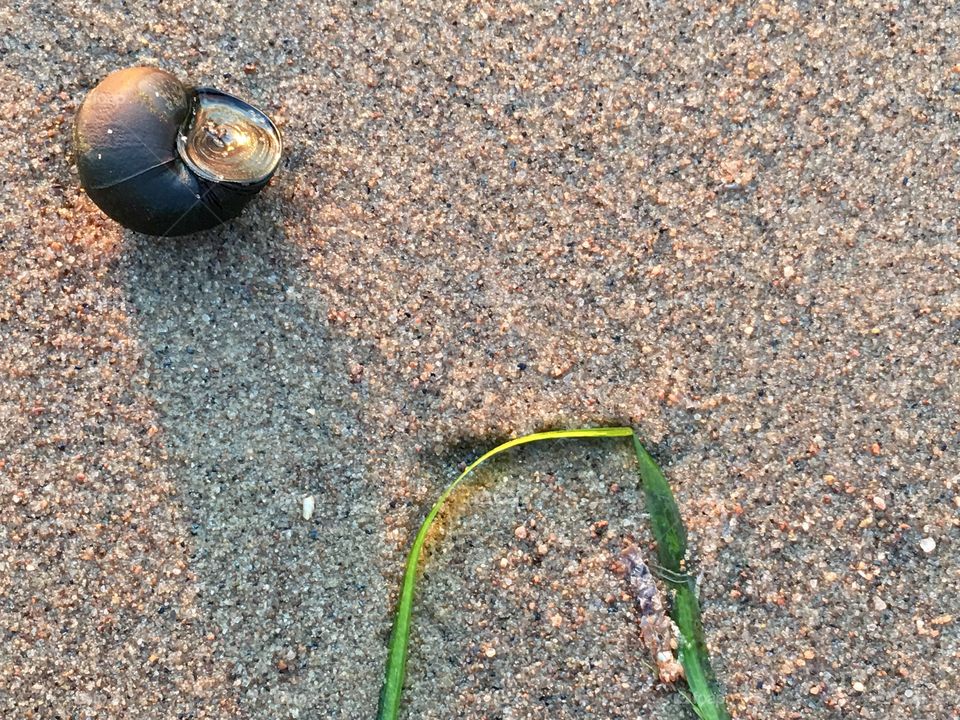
(164, 159)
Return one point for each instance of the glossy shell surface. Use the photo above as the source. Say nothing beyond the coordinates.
(228, 140)
(164, 159)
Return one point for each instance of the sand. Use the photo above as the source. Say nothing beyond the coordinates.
(731, 227)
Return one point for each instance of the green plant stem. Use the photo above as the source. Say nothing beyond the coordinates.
(671, 537)
(669, 532)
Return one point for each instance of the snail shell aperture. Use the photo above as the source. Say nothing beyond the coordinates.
(164, 159)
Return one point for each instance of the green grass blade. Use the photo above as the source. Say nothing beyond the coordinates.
(668, 528)
(671, 537)
(669, 533)
(399, 638)
(707, 698)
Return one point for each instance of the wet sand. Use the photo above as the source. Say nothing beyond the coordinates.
(733, 228)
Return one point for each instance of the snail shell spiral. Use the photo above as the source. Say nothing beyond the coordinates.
(164, 159)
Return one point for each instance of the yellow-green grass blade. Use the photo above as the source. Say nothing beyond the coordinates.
(669, 533)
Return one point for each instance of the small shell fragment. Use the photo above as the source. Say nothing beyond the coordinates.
(309, 503)
(657, 631)
(928, 545)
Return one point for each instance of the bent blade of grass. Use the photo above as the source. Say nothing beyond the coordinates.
(399, 637)
(669, 533)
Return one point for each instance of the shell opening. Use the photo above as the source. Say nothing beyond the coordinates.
(227, 140)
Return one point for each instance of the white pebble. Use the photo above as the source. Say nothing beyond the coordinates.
(928, 545)
(309, 503)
